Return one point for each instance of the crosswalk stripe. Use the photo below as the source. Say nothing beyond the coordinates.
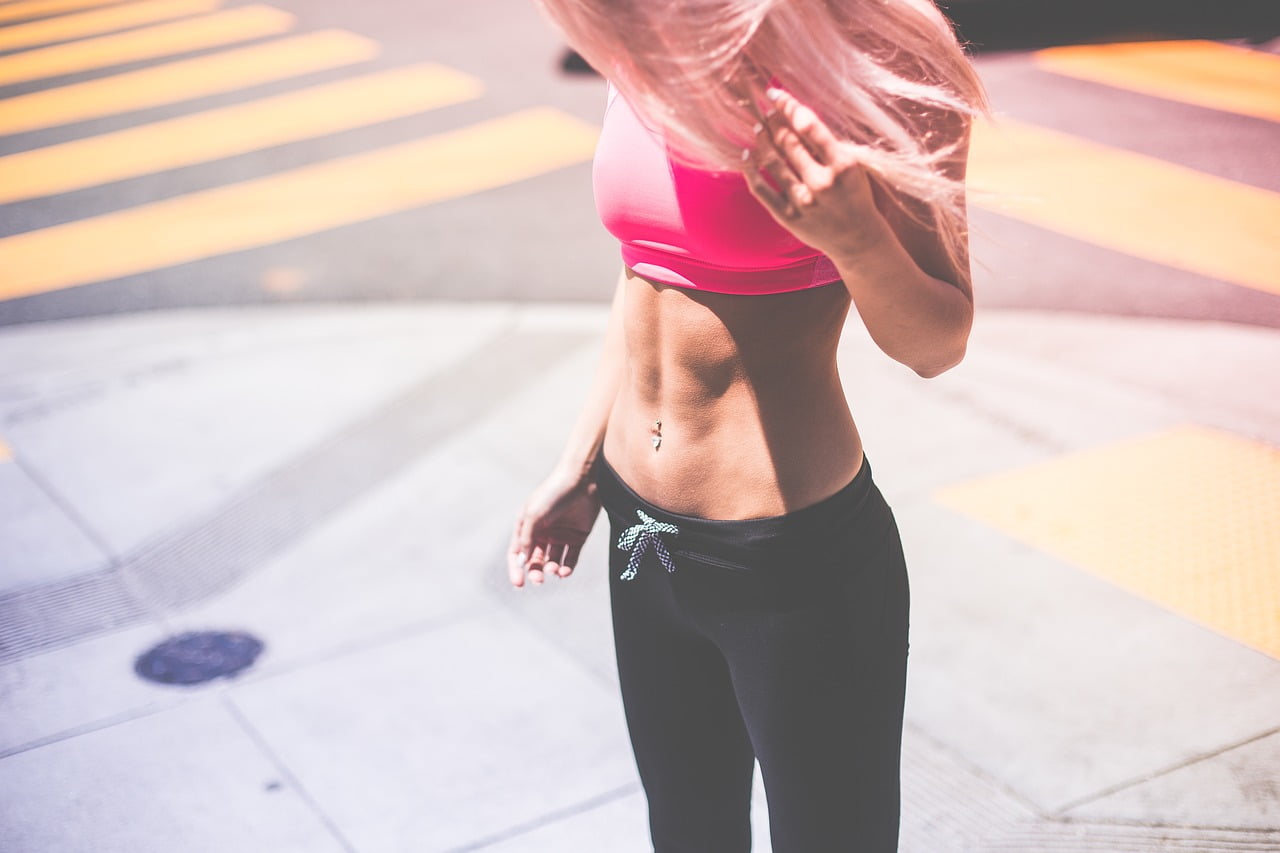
(23, 9)
(183, 80)
(1129, 202)
(1185, 517)
(296, 203)
(231, 130)
(234, 25)
(1204, 73)
(120, 17)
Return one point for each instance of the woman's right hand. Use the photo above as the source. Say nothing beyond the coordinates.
(552, 526)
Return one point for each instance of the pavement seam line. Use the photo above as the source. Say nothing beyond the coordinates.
(195, 560)
(1003, 420)
(1060, 812)
(551, 818)
(971, 769)
(69, 511)
(1130, 385)
(91, 727)
(283, 769)
(532, 625)
(410, 631)
(252, 676)
(1130, 837)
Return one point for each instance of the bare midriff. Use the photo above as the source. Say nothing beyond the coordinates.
(755, 422)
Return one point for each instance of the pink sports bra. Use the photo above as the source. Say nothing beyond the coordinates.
(689, 227)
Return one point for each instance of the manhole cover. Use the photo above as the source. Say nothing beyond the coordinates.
(198, 656)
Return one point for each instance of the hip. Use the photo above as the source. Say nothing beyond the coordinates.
(782, 561)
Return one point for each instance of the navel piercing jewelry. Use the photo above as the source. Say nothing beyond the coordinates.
(657, 435)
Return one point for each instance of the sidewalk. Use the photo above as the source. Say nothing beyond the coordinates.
(338, 480)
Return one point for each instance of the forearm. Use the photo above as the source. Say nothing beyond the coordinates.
(587, 434)
(917, 319)
(910, 288)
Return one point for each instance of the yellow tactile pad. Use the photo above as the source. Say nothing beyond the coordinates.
(1188, 518)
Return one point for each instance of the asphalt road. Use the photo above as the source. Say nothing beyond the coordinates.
(160, 188)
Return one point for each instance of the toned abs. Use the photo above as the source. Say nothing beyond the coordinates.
(754, 420)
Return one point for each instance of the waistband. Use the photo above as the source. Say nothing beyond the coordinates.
(681, 271)
(815, 521)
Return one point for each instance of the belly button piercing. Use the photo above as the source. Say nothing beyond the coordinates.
(657, 435)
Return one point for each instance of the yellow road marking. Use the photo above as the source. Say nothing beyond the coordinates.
(295, 203)
(22, 9)
(173, 82)
(233, 129)
(234, 25)
(1188, 518)
(83, 24)
(1129, 202)
(1204, 73)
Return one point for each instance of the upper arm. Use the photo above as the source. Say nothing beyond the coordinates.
(914, 223)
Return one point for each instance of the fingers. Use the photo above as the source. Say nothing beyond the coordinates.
(537, 564)
(537, 550)
(776, 194)
(524, 558)
(517, 553)
(795, 177)
(821, 147)
(554, 553)
(540, 561)
(562, 558)
(570, 561)
(814, 177)
(792, 153)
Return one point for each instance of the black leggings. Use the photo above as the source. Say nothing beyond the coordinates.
(782, 639)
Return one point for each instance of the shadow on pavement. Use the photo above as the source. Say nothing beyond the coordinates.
(995, 25)
(990, 25)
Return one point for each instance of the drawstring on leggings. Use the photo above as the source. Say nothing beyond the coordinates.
(639, 538)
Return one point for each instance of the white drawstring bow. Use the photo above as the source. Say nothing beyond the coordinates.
(639, 538)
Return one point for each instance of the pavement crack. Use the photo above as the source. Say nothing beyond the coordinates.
(289, 776)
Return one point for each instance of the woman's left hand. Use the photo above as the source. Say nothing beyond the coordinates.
(820, 191)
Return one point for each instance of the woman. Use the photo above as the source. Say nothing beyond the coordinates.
(765, 164)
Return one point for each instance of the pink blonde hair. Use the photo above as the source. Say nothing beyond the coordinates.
(886, 75)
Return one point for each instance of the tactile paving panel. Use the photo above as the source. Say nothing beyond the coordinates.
(1188, 518)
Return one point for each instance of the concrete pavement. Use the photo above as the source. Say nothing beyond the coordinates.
(338, 480)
